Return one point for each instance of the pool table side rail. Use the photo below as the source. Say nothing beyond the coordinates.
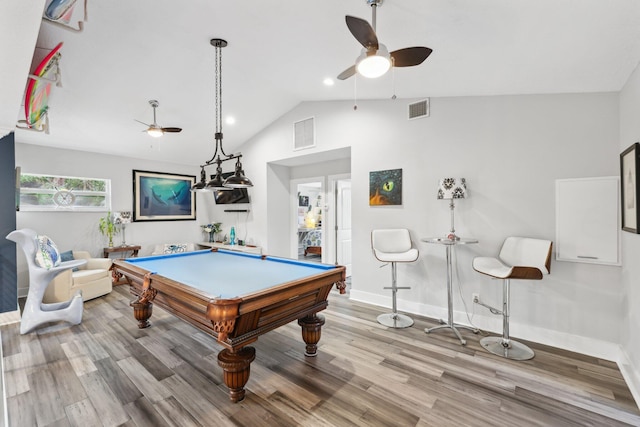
(257, 313)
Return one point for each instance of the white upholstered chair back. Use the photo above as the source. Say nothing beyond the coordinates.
(393, 245)
(526, 251)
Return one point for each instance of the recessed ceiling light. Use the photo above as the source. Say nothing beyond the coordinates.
(230, 120)
(328, 81)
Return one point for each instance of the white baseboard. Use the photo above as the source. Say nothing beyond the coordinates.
(584, 345)
(10, 317)
(631, 374)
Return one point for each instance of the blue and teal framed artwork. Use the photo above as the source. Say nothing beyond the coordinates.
(161, 196)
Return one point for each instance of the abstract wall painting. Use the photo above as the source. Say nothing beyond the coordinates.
(385, 187)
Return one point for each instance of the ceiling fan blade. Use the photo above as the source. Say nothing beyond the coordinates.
(410, 56)
(146, 124)
(347, 73)
(363, 32)
(172, 130)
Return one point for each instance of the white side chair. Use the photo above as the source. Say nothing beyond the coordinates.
(520, 258)
(393, 246)
(36, 312)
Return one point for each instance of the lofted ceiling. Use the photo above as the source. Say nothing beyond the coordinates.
(279, 53)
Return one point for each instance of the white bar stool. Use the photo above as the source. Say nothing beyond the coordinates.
(520, 258)
(393, 246)
(36, 312)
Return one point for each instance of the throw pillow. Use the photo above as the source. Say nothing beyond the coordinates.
(175, 248)
(68, 256)
(47, 254)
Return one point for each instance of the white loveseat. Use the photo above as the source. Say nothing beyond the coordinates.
(93, 278)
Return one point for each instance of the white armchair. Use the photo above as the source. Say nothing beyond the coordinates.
(93, 278)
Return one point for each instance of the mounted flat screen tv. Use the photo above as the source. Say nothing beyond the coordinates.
(226, 197)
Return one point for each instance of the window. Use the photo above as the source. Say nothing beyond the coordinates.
(51, 193)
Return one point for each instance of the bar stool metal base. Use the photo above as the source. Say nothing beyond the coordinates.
(454, 327)
(515, 350)
(395, 320)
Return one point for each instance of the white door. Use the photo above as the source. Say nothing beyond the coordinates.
(343, 223)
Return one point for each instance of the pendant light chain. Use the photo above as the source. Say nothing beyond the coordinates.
(218, 85)
(238, 179)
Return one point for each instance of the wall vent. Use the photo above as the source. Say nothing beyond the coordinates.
(419, 109)
(304, 135)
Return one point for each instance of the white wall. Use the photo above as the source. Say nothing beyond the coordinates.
(511, 149)
(630, 339)
(79, 230)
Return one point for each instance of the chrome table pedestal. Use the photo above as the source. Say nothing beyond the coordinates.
(449, 324)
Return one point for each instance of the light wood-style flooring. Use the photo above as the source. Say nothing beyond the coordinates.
(107, 372)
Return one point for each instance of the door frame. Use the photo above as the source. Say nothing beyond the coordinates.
(331, 235)
(293, 208)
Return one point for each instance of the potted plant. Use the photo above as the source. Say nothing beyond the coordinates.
(108, 227)
(212, 229)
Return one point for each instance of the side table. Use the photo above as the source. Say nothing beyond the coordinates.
(114, 249)
(448, 244)
(117, 278)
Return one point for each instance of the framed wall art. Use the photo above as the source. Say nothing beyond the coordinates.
(629, 169)
(159, 196)
(385, 187)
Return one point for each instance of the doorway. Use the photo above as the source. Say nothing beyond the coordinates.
(309, 210)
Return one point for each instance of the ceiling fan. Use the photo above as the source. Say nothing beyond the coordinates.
(375, 59)
(154, 129)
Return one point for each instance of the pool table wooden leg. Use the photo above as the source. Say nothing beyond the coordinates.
(311, 331)
(142, 312)
(236, 366)
(142, 306)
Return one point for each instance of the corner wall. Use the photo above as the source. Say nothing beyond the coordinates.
(630, 324)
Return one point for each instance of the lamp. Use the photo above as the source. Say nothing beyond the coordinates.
(122, 218)
(217, 183)
(450, 189)
(374, 65)
(237, 180)
(155, 131)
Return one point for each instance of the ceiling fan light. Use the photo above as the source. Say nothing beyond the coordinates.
(155, 132)
(373, 65)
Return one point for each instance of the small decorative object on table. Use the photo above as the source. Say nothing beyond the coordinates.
(450, 189)
(211, 229)
(122, 219)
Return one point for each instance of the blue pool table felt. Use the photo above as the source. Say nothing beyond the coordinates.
(227, 274)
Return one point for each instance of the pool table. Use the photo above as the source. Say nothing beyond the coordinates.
(234, 296)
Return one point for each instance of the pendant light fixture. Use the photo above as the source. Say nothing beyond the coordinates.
(237, 180)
